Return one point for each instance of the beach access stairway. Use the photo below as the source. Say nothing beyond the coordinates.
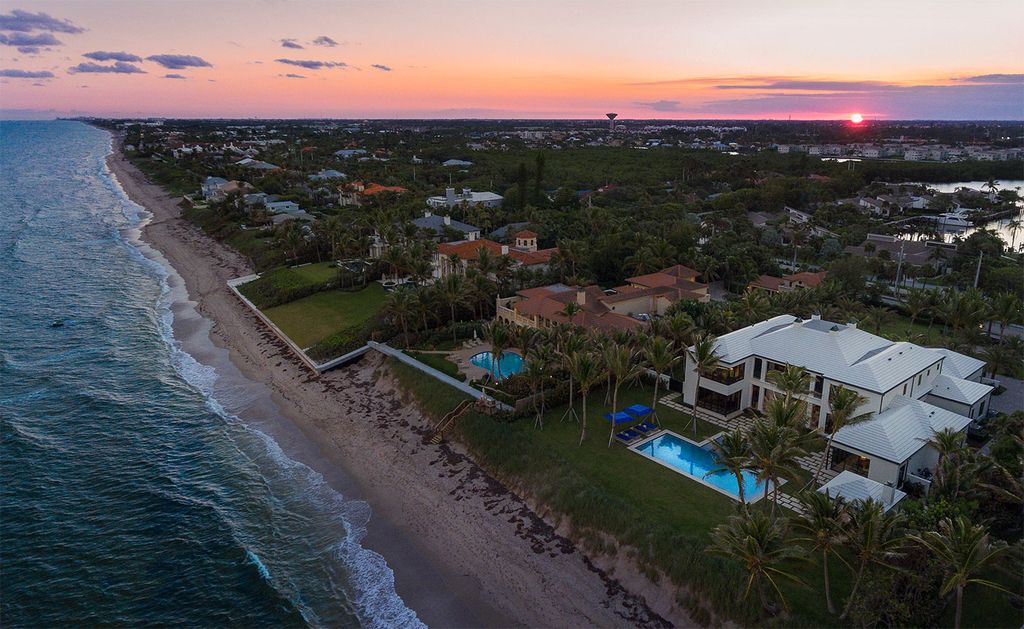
(449, 420)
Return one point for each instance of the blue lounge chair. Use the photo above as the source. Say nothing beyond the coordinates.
(647, 428)
(628, 436)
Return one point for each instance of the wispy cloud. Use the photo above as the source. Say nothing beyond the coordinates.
(660, 105)
(25, 22)
(104, 55)
(293, 76)
(811, 85)
(96, 68)
(310, 64)
(993, 78)
(381, 67)
(180, 62)
(291, 43)
(29, 44)
(175, 76)
(324, 40)
(26, 74)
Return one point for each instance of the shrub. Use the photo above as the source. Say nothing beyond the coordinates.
(341, 342)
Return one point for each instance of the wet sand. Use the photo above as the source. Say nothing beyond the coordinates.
(465, 551)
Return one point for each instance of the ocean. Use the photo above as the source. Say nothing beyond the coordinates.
(130, 492)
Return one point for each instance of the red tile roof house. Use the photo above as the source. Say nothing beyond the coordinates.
(772, 284)
(626, 307)
(524, 253)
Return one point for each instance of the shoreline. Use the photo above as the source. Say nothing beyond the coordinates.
(464, 550)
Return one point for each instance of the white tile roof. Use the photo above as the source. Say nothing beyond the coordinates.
(959, 390)
(851, 486)
(957, 364)
(840, 352)
(901, 430)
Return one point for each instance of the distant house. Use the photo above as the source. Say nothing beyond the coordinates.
(455, 257)
(255, 164)
(439, 226)
(357, 193)
(349, 153)
(461, 163)
(468, 197)
(786, 283)
(327, 174)
(505, 232)
(283, 207)
(212, 185)
(625, 307)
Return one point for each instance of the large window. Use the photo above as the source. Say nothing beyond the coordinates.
(718, 403)
(728, 375)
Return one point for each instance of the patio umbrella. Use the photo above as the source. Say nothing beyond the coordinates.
(639, 411)
(619, 417)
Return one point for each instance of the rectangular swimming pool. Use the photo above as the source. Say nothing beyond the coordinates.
(690, 459)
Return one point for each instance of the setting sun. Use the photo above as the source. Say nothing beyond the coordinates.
(856, 118)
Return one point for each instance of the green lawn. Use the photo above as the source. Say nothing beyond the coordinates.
(439, 362)
(316, 317)
(664, 515)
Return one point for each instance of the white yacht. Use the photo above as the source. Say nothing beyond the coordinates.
(951, 219)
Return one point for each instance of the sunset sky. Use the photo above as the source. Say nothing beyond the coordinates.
(513, 59)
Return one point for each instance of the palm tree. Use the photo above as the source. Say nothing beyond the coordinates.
(873, 536)
(992, 186)
(998, 359)
(792, 380)
(1006, 309)
(948, 443)
(878, 316)
(571, 344)
(759, 544)
(822, 525)
(1013, 226)
(783, 413)
(586, 369)
(732, 453)
(401, 306)
(535, 374)
(705, 360)
(622, 366)
(843, 404)
(964, 550)
(661, 356)
(453, 291)
(773, 454)
(501, 339)
(917, 304)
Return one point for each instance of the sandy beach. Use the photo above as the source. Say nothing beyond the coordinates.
(464, 549)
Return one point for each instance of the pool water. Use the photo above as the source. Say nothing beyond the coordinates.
(509, 364)
(695, 461)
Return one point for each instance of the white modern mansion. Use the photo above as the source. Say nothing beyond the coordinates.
(911, 391)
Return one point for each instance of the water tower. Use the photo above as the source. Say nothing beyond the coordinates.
(611, 121)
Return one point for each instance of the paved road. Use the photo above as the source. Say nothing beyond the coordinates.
(1012, 399)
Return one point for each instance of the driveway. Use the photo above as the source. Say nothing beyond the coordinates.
(1012, 399)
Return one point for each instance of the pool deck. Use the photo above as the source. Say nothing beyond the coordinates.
(461, 358)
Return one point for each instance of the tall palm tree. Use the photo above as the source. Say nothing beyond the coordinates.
(501, 339)
(535, 374)
(792, 380)
(997, 359)
(621, 364)
(843, 404)
(401, 307)
(587, 370)
(878, 316)
(964, 549)
(872, 536)
(917, 303)
(453, 291)
(1006, 309)
(783, 413)
(732, 454)
(706, 360)
(661, 356)
(774, 451)
(949, 443)
(822, 526)
(1013, 226)
(759, 544)
(571, 344)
